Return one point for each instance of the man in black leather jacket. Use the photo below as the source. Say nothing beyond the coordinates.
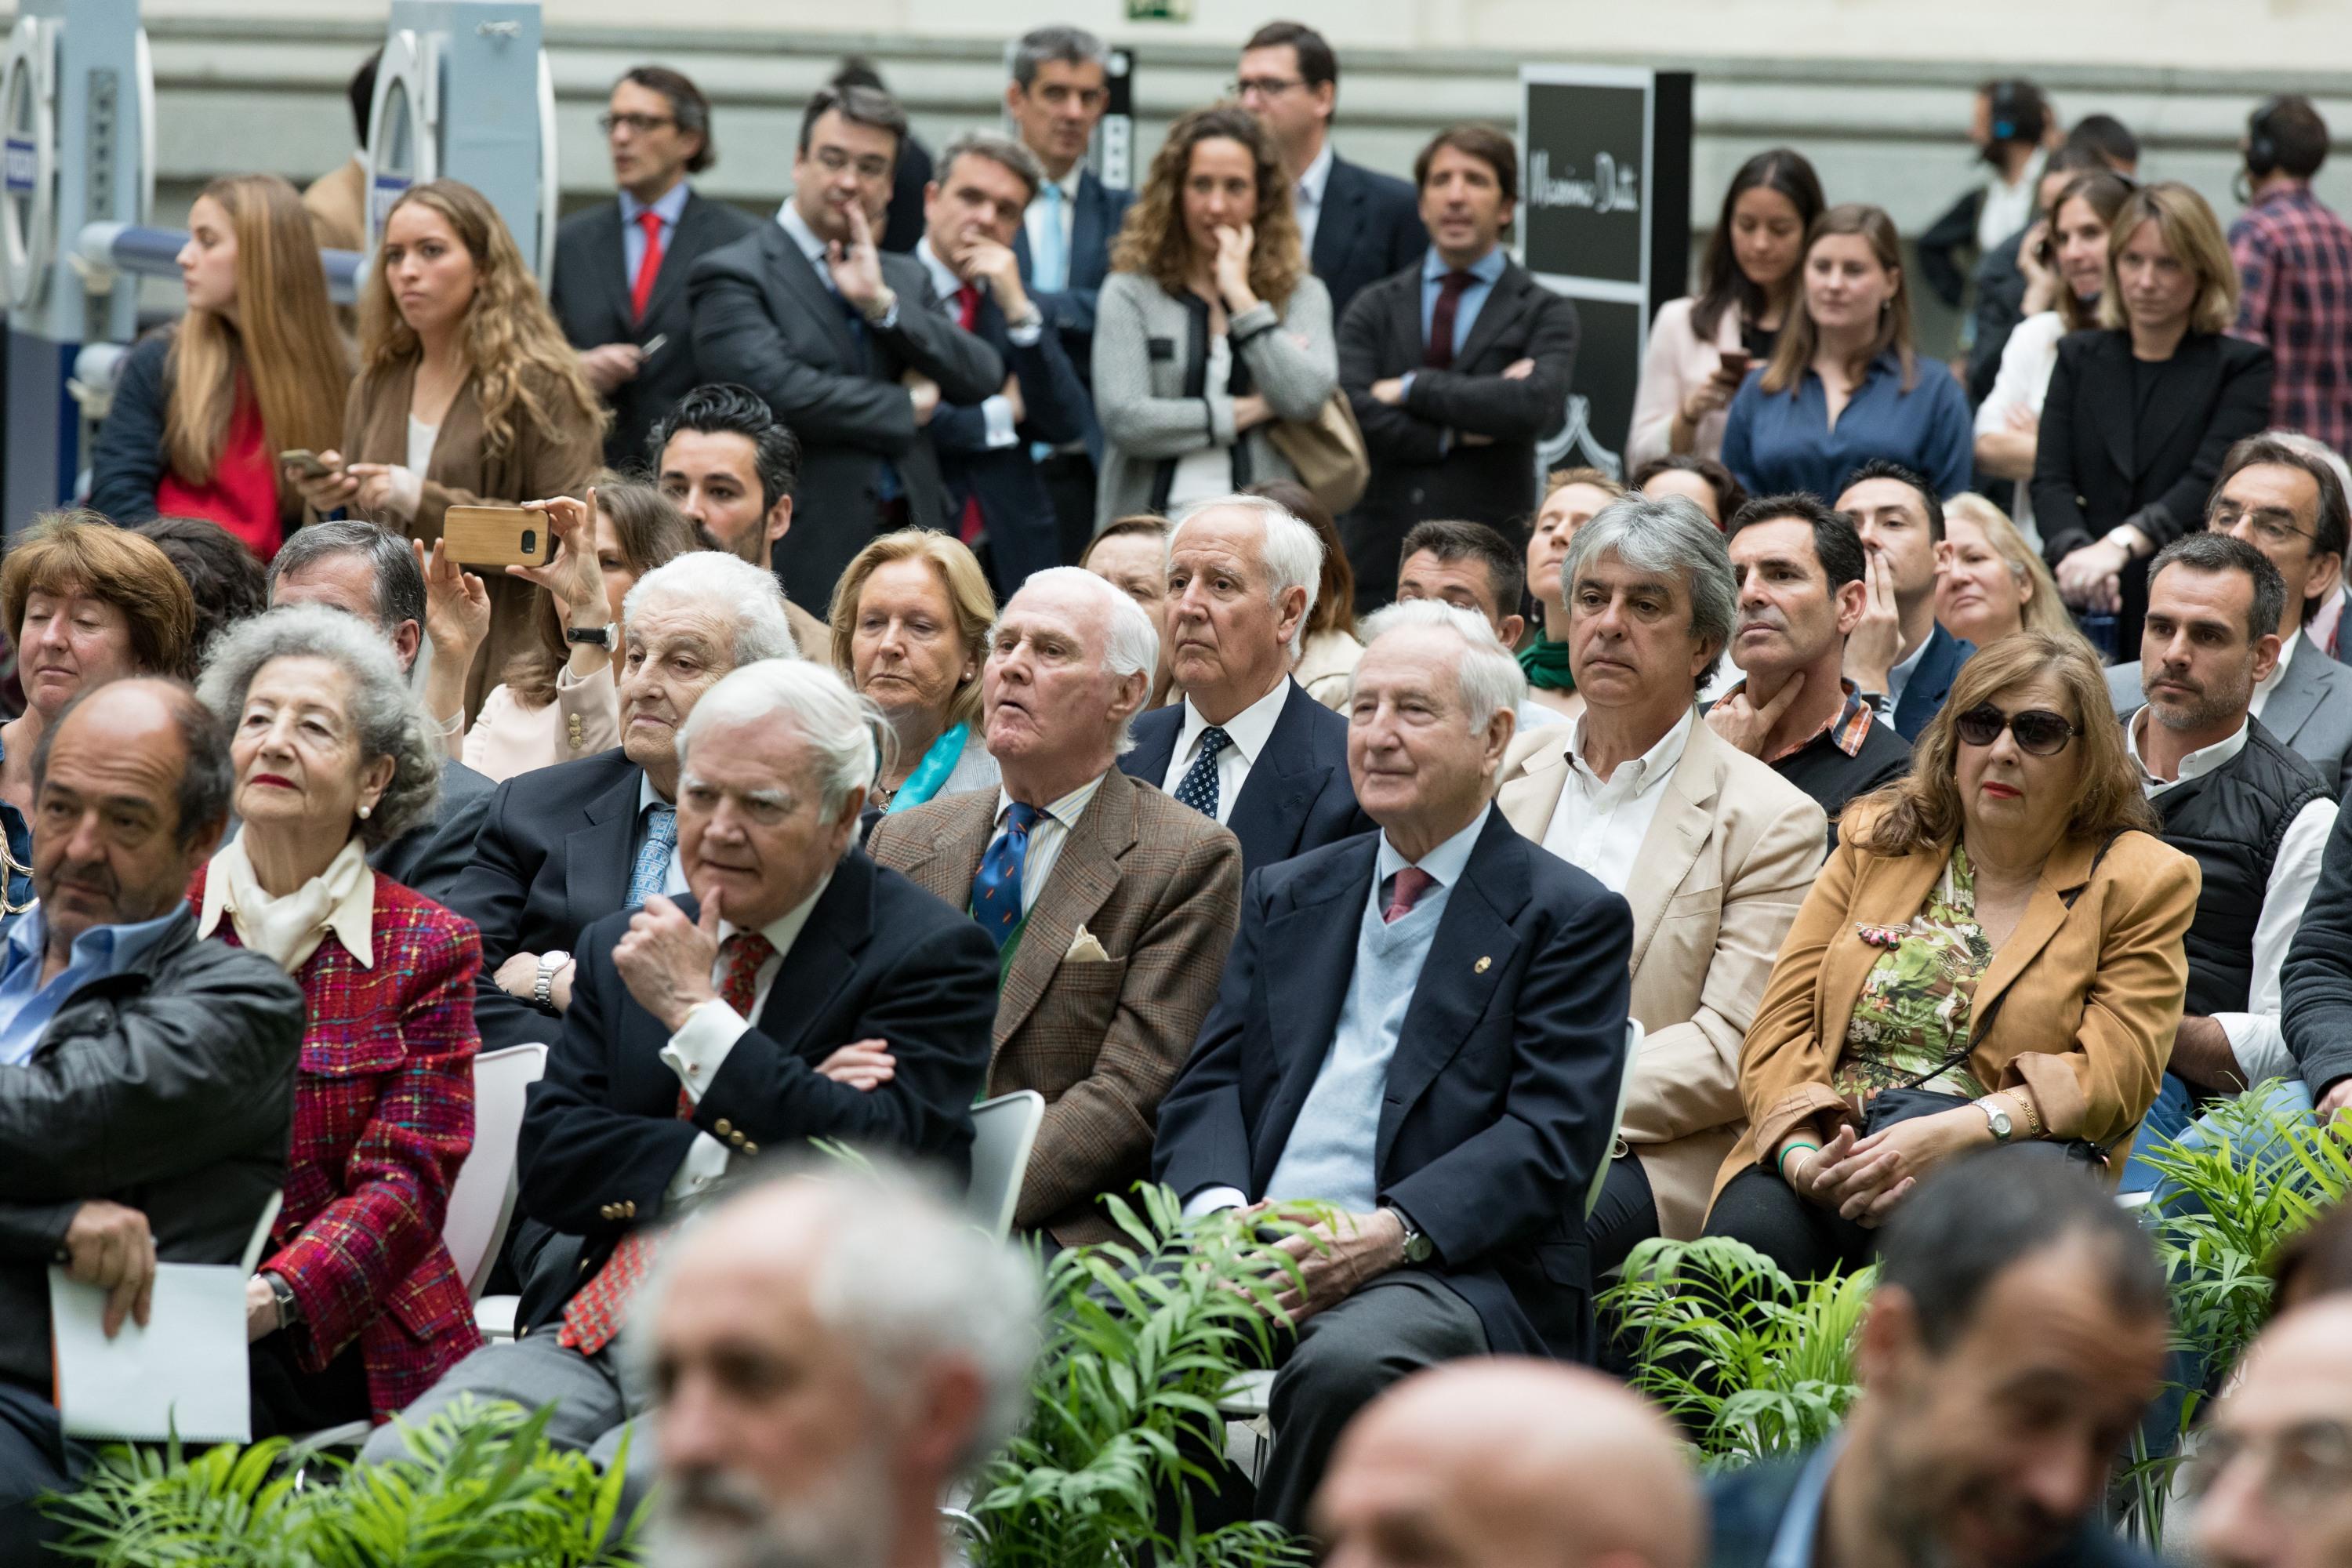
(146, 1077)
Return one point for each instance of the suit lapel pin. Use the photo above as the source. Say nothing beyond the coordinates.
(1481, 966)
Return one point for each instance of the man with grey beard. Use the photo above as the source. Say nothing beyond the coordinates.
(830, 1349)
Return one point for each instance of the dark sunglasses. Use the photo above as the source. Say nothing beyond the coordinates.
(2038, 731)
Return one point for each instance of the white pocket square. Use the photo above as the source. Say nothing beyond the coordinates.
(1085, 949)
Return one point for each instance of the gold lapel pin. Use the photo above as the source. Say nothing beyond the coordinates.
(1481, 966)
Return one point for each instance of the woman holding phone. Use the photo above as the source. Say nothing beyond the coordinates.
(202, 407)
(1703, 345)
(467, 396)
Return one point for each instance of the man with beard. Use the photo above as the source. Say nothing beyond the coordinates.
(829, 1350)
(2018, 1329)
(2255, 815)
(2271, 1479)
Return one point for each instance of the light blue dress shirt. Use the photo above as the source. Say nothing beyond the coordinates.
(27, 1006)
(1487, 271)
(1801, 1525)
(671, 206)
(674, 879)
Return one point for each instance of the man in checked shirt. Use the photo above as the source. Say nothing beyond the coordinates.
(2295, 272)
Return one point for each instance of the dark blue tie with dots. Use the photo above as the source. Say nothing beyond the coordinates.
(1198, 787)
(996, 890)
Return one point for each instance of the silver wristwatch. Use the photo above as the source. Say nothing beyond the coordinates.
(1417, 1249)
(543, 993)
(289, 1311)
(2003, 1128)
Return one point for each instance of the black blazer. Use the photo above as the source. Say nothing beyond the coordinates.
(1297, 796)
(591, 297)
(430, 857)
(878, 959)
(1370, 227)
(1021, 537)
(763, 317)
(1501, 1091)
(1421, 468)
(553, 854)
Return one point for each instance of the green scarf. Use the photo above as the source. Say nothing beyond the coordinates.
(1545, 662)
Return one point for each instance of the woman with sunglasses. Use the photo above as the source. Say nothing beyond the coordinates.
(1992, 957)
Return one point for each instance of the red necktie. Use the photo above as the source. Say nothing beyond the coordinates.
(593, 1316)
(1410, 883)
(648, 264)
(1439, 352)
(970, 522)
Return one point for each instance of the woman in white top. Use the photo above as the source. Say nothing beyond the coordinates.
(2064, 259)
(1702, 345)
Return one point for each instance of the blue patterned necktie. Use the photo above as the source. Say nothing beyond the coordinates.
(996, 889)
(650, 875)
(1198, 787)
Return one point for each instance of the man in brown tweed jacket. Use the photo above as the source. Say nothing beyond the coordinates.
(1112, 905)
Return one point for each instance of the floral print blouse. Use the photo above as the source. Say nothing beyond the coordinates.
(1917, 1001)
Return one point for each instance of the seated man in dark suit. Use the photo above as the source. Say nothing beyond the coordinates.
(1456, 366)
(1357, 226)
(848, 345)
(971, 215)
(146, 1077)
(621, 266)
(1424, 1028)
(2018, 1329)
(1897, 656)
(372, 573)
(565, 846)
(698, 1026)
(1248, 746)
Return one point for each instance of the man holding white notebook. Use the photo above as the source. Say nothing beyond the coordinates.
(146, 1077)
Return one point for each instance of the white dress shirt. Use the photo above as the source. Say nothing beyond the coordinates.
(995, 410)
(1307, 197)
(674, 879)
(1041, 210)
(2254, 1036)
(1598, 824)
(1899, 679)
(1249, 729)
(1046, 836)
(701, 1045)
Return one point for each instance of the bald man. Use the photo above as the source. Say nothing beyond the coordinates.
(1510, 1463)
(2273, 1475)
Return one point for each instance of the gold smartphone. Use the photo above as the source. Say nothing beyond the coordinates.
(497, 536)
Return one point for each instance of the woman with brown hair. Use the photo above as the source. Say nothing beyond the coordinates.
(256, 367)
(1993, 955)
(1327, 644)
(467, 394)
(1843, 385)
(558, 700)
(1209, 327)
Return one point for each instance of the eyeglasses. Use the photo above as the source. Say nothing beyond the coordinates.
(636, 125)
(1263, 86)
(2269, 527)
(2039, 731)
(871, 170)
(2305, 1467)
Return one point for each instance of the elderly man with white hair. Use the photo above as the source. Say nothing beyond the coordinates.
(1248, 746)
(1112, 905)
(829, 1350)
(562, 845)
(698, 1025)
(1417, 1043)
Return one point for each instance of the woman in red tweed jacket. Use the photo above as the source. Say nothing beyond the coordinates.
(359, 1308)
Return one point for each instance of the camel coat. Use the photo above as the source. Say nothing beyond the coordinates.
(1716, 886)
(2093, 993)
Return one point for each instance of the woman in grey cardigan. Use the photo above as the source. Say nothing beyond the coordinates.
(1209, 327)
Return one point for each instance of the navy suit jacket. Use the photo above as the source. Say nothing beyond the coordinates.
(1369, 227)
(879, 958)
(1299, 795)
(1931, 682)
(1055, 409)
(1501, 1092)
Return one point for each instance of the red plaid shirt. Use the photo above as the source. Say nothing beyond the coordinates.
(2295, 278)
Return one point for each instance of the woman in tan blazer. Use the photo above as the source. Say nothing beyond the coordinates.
(2002, 930)
(467, 394)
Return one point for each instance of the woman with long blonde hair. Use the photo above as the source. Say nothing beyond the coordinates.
(1989, 581)
(1208, 264)
(202, 409)
(468, 395)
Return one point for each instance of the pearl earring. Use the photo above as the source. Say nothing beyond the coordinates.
(364, 811)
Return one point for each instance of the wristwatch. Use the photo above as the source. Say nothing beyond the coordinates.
(1417, 1249)
(1995, 1117)
(596, 636)
(542, 989)
(289, 1311)
(880, 309)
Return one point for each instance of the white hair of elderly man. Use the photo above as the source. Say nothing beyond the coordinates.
(1292, 550)
(747, 597)
(1490, 679)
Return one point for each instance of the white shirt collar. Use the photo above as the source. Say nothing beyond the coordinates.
(1900, 675)
(1068, 183)
(1445, 863)
(647, 794)
(788, 217)
(785, 929)
(1316, 178)
(351, 917)
(2196, 764)
(1065, 811)
(1249, 729)
(1648, 768)
(943, 279)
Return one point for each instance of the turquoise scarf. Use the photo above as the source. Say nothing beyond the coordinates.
(932, 771)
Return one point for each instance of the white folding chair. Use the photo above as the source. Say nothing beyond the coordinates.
(1003, 1130)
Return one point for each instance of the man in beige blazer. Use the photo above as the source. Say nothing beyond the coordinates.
(1712, 849)
(1113, 906)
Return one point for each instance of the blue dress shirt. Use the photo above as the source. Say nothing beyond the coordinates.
(1487, 271)
(27, 1007)
(1792, 1543)
(671, 206)
(1775, 443)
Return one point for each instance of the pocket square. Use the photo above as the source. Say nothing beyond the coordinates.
(1085, 949)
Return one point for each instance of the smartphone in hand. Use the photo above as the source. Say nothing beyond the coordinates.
(1737, 362)
(497, 536)
(305, 462)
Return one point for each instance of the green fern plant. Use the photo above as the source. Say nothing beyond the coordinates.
(1755, 1364)
(1145, 1335)
(479, 1485)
